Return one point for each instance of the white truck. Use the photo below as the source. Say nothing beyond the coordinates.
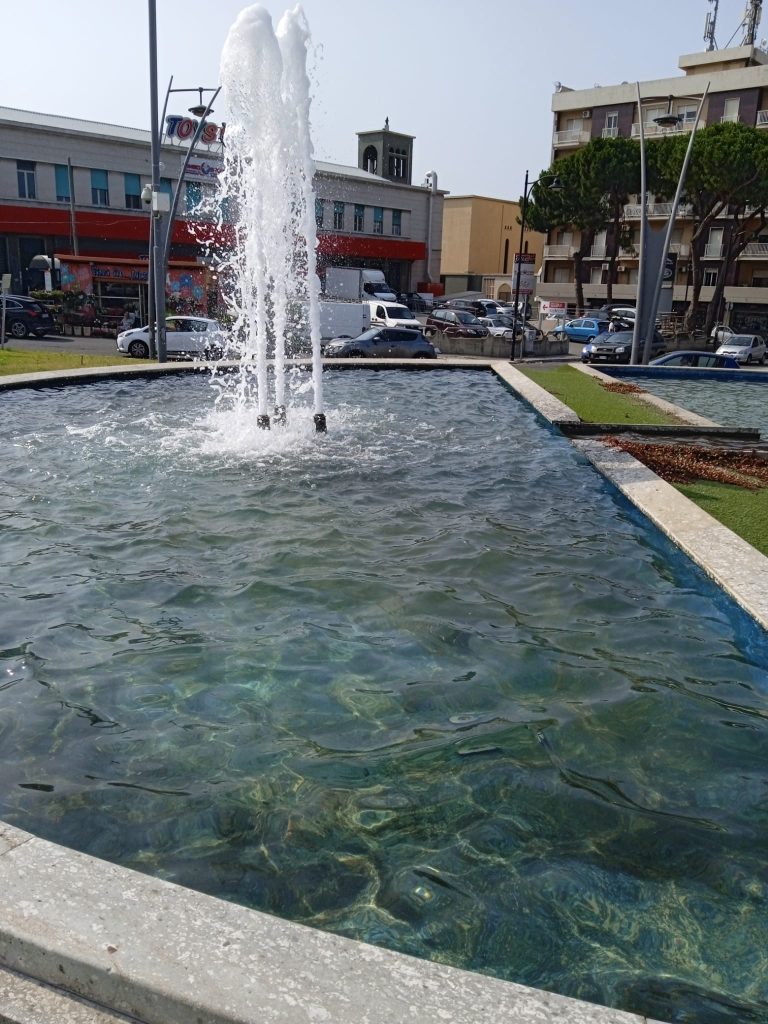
(356, 283)
(393, 314)
(340, 319)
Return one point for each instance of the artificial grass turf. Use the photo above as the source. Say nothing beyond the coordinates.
(743, 511)
(32, 361)
(591, 402)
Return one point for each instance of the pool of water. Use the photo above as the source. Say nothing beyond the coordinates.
(731, 403)
(427, 681)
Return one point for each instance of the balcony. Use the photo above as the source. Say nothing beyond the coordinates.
(762, 119)
(570, 137)
(681, 248)
(650, 128)
(757, 250)
(554, 252)
(713, 251)
(632, 211)
(611, 133)
(730, 119)
(597, 252)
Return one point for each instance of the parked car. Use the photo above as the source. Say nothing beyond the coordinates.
(746, 348)
(185, 337)
(487, 307)
(498, 326)
(456, 323)
(695, 357)
(456, 304)
(384, 343)
(720, 334)
(415, 302)
(25, 316)
(583, 328)
(617, 347)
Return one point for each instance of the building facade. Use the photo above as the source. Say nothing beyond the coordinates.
(481, 237)
(738, 91)
(72, 190)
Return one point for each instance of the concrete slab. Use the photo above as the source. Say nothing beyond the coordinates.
(24, 1001)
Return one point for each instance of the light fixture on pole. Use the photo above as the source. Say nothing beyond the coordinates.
(555, 186)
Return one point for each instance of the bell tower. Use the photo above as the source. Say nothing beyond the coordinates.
(386, 153)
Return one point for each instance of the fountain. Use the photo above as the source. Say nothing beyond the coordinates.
(394, 685)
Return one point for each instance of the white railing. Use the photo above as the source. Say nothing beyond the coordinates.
(632, 211)
(755, 249)
(729, 119)
(611, 133)
(597, 252)
(555, 251)
(651, 128)
(762, 118)
(681, 248)
(713, 250)
(571, 137)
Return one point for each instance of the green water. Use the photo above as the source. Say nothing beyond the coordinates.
(426, 681)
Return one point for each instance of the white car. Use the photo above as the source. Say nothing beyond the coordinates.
(721, 334)
(744, 348)
(498, 326)
(185, 337)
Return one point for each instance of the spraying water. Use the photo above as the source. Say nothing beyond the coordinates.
(271, 285)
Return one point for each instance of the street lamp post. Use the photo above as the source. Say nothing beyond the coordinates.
(555, 186)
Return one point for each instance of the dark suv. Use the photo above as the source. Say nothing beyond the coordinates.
(457, 323)
(24, 316)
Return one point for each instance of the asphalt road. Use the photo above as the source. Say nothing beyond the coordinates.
(56, 343)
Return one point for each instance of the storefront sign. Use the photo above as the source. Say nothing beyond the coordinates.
(114, 273)
(183, 128)
(203, 170)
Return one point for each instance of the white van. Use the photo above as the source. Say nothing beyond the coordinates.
(392, 314)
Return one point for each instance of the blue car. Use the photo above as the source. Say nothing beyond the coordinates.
(584, 328)
(694, 357)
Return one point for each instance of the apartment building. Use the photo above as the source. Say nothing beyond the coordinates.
(71, 189)
(738, 91)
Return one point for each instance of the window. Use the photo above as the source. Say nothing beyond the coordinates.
(731, 109)
(370, 159)
(562, 275)
(611, 129)
(166, 186)
(378, 220)
(99, 188)
(397, 222)
(596, 275)
(132, 192)
(710, 277)
(63, 192)
(359, 217)
(338, 216)
(194, 197)
(319, 212)
(25, 174)
(687, 113)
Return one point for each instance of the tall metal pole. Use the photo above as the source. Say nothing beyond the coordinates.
(516, 307)
(72, 222)
(635, 353)
(156, 268)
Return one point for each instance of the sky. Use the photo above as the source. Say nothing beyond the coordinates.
(472, 81)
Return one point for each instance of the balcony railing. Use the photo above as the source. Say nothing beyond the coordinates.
(762, 119)
(558, 252)
(713, 251)
(681, 248)
(571, 137)
(650, 128)
(632, 211)
(611, 133)
(729, 119)
(597, 252)
(756, 249)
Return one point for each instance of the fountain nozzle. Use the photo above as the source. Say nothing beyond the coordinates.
(321, 427)
(279, 415)
(262, 421)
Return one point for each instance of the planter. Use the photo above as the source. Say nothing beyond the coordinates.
(68, 328)
(78, 330)
(86, 332)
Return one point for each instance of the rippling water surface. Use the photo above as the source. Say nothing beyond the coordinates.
(425, 681)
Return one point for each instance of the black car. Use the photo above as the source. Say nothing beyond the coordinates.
(383, 343)
(25, 316)
(617, 347)
(413, 301)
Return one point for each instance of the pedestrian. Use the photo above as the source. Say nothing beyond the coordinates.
(612, 327)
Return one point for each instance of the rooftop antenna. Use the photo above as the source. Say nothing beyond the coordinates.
(751, 22)
(709, 26)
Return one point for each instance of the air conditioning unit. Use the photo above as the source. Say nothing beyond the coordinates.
(586, 113)
(621, 268)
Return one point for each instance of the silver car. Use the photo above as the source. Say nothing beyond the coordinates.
(383, 343)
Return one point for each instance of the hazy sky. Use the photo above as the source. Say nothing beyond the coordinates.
(472, 81)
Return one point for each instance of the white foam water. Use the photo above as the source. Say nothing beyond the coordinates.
(269, 279)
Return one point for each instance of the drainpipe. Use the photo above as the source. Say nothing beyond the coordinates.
(431, 177)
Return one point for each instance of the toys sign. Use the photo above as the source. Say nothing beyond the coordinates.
(183, 128)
